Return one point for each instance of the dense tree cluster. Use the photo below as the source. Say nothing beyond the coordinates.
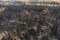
(30, 25)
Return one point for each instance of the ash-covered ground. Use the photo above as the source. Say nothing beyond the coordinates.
(29, 23)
